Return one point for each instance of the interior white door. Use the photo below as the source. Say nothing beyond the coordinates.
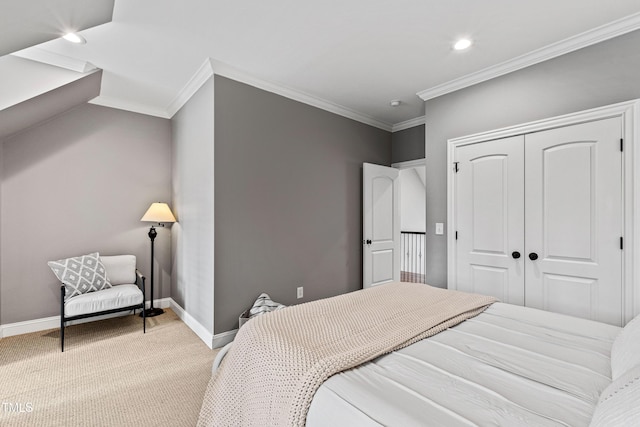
(489, 219)
(574, 220)
(381, 224)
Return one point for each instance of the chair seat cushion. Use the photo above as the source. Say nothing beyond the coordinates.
(107, 299)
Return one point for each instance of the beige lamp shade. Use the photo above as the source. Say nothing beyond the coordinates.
(158, 212)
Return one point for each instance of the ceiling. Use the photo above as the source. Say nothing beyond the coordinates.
(355, 55)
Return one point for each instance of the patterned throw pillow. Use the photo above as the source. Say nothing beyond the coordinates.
(81, 274)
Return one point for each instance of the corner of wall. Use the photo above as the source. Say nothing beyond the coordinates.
(199, 78)
(1, 182)
(192, 278)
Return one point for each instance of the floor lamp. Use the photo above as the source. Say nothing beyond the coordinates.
(160, 214)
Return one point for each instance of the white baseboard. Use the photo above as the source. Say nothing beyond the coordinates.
(29, 326)
(220, 340)
(192, 323)
(212, 341)
(161, 303)
(53, 322)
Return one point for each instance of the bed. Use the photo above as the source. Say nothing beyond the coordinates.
(507, 366)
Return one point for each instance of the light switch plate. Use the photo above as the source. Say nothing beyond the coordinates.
(439, 228)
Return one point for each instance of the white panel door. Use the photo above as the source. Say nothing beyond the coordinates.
(574, 220)
(381, 224)
(489, 219)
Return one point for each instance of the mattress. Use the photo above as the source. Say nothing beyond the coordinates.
(508, 366)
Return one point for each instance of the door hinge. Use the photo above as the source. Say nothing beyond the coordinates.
(621, 243)
(455, 167)
(621, 144)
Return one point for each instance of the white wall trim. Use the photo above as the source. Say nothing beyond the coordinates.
(160, 303)
(410, 164)
(202, 74)
(226, 70)
(408, 124)
(224, 338)
(210, 67)
(53, 322)
(29, 326)
(55, 59)
(129, 106)
(630, 113)
(193, 324)
(579, 41)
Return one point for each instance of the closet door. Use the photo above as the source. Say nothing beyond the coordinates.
(489, 210)
(574, 220)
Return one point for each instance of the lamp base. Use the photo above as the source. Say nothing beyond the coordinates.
(151, 312)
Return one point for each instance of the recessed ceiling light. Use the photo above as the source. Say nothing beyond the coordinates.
(395, 103)
(462, 44)
(74, 38)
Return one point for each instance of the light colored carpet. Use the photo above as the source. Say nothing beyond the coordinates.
(110, 374)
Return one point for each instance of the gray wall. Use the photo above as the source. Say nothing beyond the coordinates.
(407, 144)
(48, 104)
(595, 76)
(77, 183)
(193, 238)
(288, 181)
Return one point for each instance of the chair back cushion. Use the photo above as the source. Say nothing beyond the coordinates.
(81, 274)
(121, 269)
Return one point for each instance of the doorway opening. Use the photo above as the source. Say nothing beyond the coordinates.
(413, 221)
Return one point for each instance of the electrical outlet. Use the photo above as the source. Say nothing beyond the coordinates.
(300, 292)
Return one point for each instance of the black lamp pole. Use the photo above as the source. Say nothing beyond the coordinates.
(152, 311)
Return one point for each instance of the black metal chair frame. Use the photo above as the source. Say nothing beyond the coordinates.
(139, 282)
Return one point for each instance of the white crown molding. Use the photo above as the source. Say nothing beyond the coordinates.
(233, 73)
(202, 74)
(129, 106)
(50, 58)
(587, 38)
(408, 124)
(211, 66)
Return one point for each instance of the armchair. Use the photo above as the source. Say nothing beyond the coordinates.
(126, 293)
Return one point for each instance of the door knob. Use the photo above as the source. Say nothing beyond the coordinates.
(515, 254)
(533, 256)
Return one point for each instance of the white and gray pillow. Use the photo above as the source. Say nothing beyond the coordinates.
(264, 304)
(618, 404)
(625, 352)
(81, 274)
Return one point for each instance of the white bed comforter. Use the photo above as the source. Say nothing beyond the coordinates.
(509, 366)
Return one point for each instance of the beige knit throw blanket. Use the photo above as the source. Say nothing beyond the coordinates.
(279, 360)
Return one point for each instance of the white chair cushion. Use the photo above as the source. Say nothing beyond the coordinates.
(625, 352)
(121, 269)
(107, 299)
